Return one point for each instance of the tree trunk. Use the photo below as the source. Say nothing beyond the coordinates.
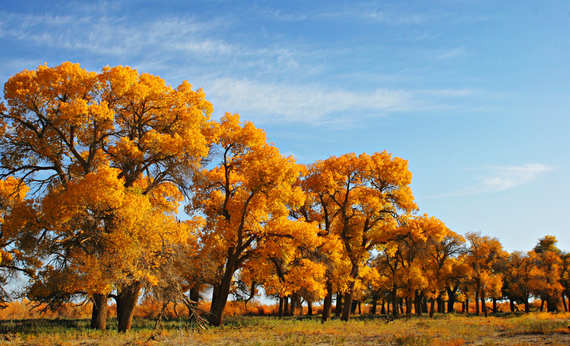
(512, 304)
(495, 305)
(418, 303)
(286, 310)
(424, 304)
(477, 308)
(280, 313)
(327, 306)
(451, 301)
(347, 303)
(309, 308)
(542, 305)
(484, 303)
(564, 303)
(293, 304)
(348, 296)
(375, 304)
(401, 304)
(440, 305)
(99, 313)
(526, 306)
(394, 300)
(338, 307)
(126, 302)
(383, 307)
(354, 306)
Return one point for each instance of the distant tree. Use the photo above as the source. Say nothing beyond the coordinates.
(483, 254)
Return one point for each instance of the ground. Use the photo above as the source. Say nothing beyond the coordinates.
(533, 329)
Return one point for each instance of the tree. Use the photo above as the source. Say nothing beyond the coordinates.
(18, 234)
(366, 195)
(546, 272)
(243, 196)
(482, 256)
(67, 130)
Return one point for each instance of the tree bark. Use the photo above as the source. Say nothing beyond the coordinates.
(418, 303)
(451, 301)
(440, 305)
(347, 304)
(484, 303)
(526, 306)
(477, 308)
(394, 300)
(280, 312)
(431, 308)
(309, 308)
(348, 296)
(126, 302)
(286, 309)
(338, 307)
(383, 307)
(495, 306)
(327, 305)
(512, 304)
(564, 303)
(99, 313)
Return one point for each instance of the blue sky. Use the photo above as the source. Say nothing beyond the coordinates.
(474, 93)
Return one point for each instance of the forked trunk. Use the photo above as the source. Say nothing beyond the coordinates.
(99, 313)
(126, 301)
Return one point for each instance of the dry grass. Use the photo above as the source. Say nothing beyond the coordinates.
(449, 330)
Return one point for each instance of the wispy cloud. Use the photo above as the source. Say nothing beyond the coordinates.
(312, 103)
(496, 179)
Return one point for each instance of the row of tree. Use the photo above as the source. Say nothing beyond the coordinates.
(95, 167)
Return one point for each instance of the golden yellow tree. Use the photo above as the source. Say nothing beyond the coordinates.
(483, 254)
(18, 234)
(65, 129)
(364, 194)
(244, 196)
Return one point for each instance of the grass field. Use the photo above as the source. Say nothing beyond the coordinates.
(532, 329)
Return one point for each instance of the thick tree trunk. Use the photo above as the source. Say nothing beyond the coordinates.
(424, 304)
(348, 296)
(542, 305)
(564, 303)
(126, 302)
(347, 304)
(526, 306)
(408, 305)
(353, 307)
(220, 297)
(451, 301)
(383, 307)
(495, 305)
(512, 304)
(309, 308)
(432, 308)
(99, 313)
(327, 306)
(440, 305)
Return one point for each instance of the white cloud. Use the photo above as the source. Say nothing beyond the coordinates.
(311, 103)
(498, 179)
